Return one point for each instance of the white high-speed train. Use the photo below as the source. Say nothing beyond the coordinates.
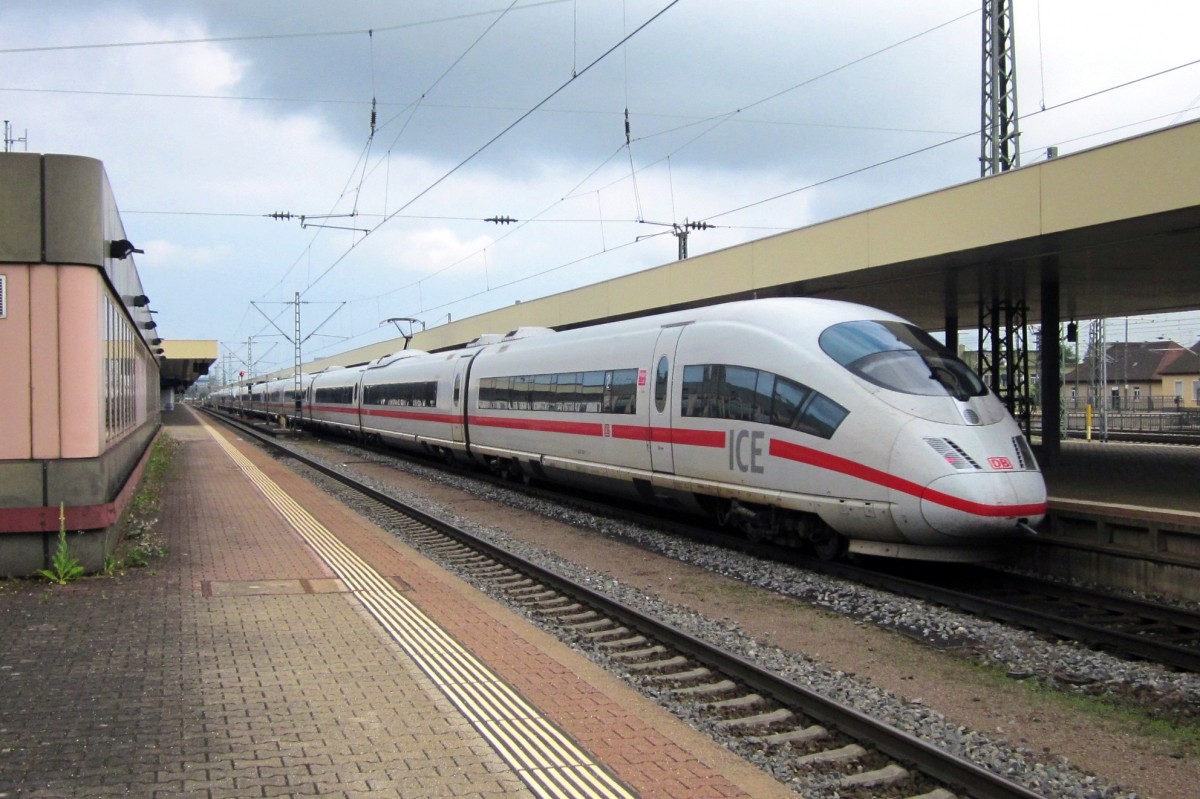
(799, 420)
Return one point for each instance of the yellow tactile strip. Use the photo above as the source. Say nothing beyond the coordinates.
(544, 757)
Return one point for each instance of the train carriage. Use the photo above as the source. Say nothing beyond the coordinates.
(541, 400)
(411, 401)
(333, 400)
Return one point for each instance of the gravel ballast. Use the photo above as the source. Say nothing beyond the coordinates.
(869, 658)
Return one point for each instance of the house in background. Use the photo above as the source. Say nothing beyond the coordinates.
(1141, 376)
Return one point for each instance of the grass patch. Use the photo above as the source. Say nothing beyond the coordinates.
(141, 541)
(1171, 722)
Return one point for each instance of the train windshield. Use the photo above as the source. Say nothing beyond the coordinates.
(900, 357)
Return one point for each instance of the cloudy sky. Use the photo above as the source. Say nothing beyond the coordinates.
(753, 116)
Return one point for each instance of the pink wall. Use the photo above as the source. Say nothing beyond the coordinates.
(43, 359)
(52, 362)
(81, 361)
(15, 421)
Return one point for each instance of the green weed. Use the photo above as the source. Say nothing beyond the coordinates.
(63, 568)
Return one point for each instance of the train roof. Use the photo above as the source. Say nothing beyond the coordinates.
(777, 313)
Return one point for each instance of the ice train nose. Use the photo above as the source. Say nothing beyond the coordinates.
(983, 503)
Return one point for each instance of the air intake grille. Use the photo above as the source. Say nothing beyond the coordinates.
(3, 296)
(1024, 453)
(952, 454)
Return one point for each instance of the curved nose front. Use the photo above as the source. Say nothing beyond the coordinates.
(983, 503)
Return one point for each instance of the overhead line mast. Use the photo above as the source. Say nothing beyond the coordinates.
(1003, 309)
(999, 148)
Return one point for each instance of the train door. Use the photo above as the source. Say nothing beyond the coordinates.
(662, 409)
(458, 397)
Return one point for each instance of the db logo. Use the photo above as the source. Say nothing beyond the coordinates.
(1000, 463)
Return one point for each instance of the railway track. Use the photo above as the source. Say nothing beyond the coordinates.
(1116, 624)
(856, 755)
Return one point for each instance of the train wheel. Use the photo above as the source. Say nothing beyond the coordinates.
(829, 545)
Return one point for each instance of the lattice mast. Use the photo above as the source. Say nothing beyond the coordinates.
(999, 137)
(298, 409)
(1003, 339)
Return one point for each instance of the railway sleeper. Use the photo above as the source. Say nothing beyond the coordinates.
(557, 609)
(891, 774)
(737, 705)
(586, 616)
(688, 683)
(710, 693)
(830, 757)
(639, 654)
(496, 570)
(615, 638)
(512, 580)
(657, 665)
(534, 593)
(589, 627)
(443, 548)
(604, 632)
(471, 558)
(526, 593)
(776, 716)
(799, 735)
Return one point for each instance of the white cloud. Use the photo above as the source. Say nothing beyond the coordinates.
(222, 164)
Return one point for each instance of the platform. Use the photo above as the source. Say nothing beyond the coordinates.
(1159, 476)
(286, 646)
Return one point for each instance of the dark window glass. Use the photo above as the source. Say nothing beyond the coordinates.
(660, 384)
(408, 395)
(542, 392)
(591, 391)
(740, 385)
(521, 397)
(340, 395)
(821, 416)
(739, 393)
(900, 357)
(620, 392)
(788, 398)
(565, 392)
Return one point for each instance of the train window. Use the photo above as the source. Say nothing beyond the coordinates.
(418, 395)
(789, 398)
(740, 383)
(591, 391)
(692, 394)
(763, 392)
(620, 391)
(661, 373)
(520, 396)
(542, 392)
(739, 393)
(564, 392)
(565, 397)
(900, 357)
(821, 416)
(340, 395)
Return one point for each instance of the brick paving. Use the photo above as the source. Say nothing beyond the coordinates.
(238, 666)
